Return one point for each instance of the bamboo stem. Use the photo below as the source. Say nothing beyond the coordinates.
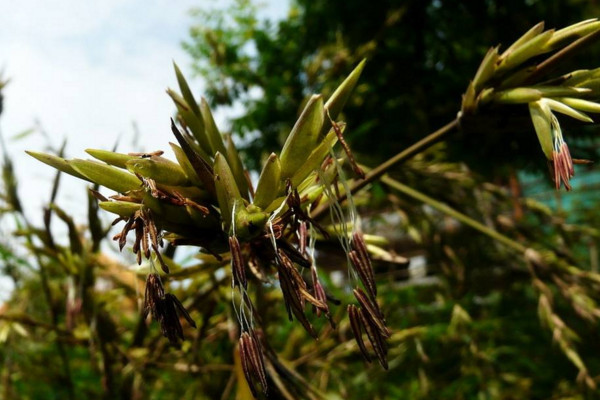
(444, 208)
(404, 155)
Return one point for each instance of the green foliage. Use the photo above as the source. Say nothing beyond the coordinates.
(421, 56)
(507, 306)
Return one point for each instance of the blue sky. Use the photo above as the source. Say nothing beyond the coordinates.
(88, 70)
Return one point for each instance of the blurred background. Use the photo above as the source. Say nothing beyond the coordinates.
(471, 319)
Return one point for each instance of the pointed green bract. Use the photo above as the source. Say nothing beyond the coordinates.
(201, 167)
(194, 122)
(486, 69)
(185, 164)
(517, 96)
(105, 175)
(303, 137)
(57, 162)
(124, 209)
(212, 132)
(578, 30)
(469, 100)
(541, 116)
(111, 157)
(185, 91)
(159, 169)
(338, 99)
(202, 220)
(316, 157)
(565, 109)
(561, 91)
(516, 78)
(237, 167)
(582, 77)
(530, 34)
(228, 193)
(580, 104)
(526, 51)
(267, 188)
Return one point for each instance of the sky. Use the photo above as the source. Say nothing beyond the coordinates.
(87, 71)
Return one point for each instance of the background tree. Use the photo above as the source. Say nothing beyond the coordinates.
(506, 306)
(421, 55)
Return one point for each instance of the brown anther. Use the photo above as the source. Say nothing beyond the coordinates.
(97, 195)
(363, 273)
(164, 266)
(356, 324)
(154, 292)
(582, 161)
(116, 221)
(145, 247)
(139, 232)
(120, 197)
(372, 311)
(357, 170)
(562, 166)
(294, 291)
(251, 356)
(164, 309)
(319, 294)
(302, 237)
(376, 339)
(124, 232)
(147, 155)
(238, 266)
(363, 265)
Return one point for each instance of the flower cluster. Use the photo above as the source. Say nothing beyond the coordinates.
(205, 199)
(519, 75)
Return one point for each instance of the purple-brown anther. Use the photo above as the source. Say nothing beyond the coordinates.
(360, 246)
(363, 273)
(238, 266)
(153, 294)
(146, 236)
(357, 170)
(165, 309)
(372, 312)
(292, 253)
(319, 294)
(162, 263)
(302, 237)
(562, 165)
(294, 291)
(375, 337)
(356, 324)
(252, 361)
(170, 326)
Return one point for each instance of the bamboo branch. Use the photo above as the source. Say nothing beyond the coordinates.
(404, 155)
(444, 208)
